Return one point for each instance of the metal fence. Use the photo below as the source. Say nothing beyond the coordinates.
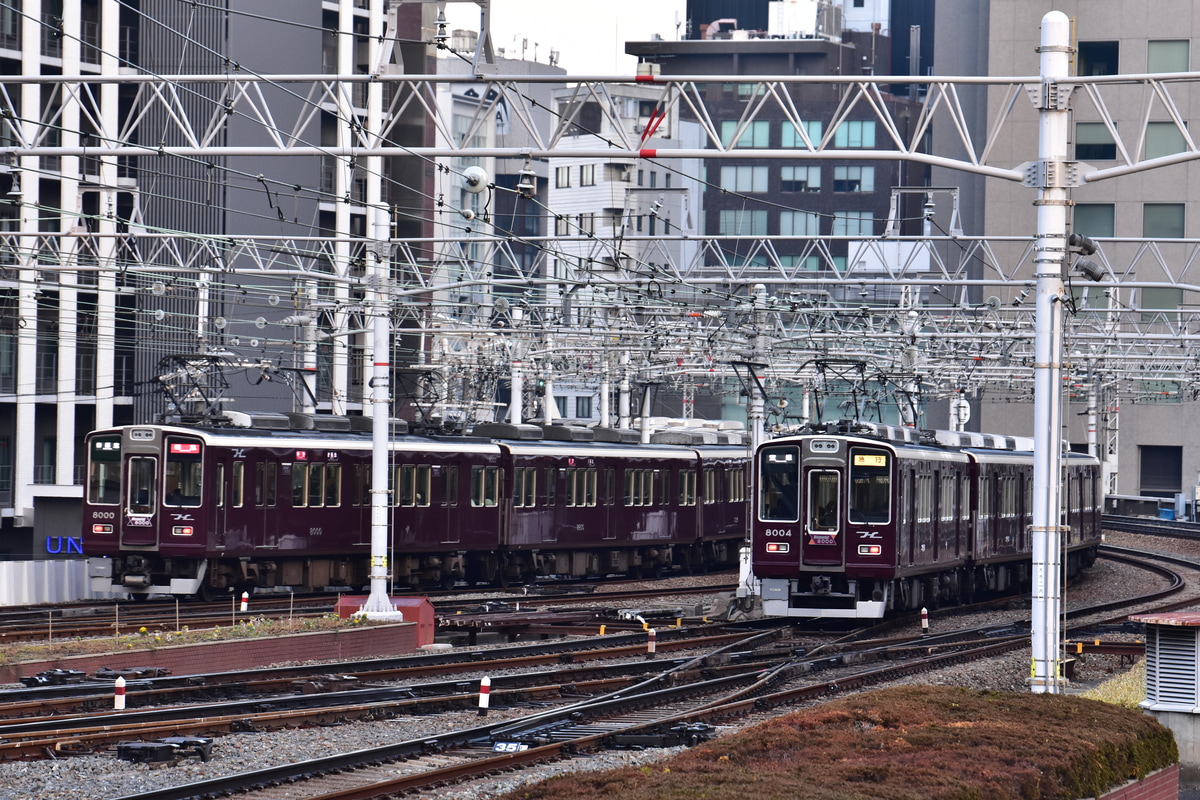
(37, 582)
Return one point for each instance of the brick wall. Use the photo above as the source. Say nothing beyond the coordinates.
(1161, 785)
(236, 654)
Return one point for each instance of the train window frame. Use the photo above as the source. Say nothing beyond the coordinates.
(220, 485)
(870, 486)
(924, 493)
(775, 494)
(316, 485)
(141, 476)
(237, 487)
(104, 471)
(687, 487)
(524, 493)
(551, 477)
(823, 512)
(406, 484)
(486, 486)
(299, 484)
(421, 485)
(333, 485)
(183, 472)
(610, 486)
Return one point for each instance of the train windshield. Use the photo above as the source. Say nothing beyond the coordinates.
(104, 471)
(779, 484)
(870, 485)
(184, 471)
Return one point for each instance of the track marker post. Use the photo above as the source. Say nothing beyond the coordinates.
(119, 694)
(485, 690)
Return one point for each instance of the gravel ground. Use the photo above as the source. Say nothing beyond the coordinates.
(104, 777)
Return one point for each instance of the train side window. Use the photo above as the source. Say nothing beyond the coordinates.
(687, 487)
(551, 486)
(524, 493)
(985, 496)
(333, 485)
(260, 484)
(485, 486)
(220, 485)
(421, 487)
(299, 484)
(710, 479)
(408, 482)
(610, 486)
(236, 484)
(964, 497)
(104, 471)
(316, 485)
(271, 478)
(779, 484)
(589, 490)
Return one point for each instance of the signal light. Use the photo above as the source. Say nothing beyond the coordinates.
(99, 528)
(778, 547)
(870, 550)
(183, 530)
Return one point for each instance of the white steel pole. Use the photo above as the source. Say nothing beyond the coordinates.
(1049, 263)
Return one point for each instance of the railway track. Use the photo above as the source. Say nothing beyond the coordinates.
(751, 673)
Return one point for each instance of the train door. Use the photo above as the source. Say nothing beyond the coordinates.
(822, 516)
(221, 517)
(141, 501)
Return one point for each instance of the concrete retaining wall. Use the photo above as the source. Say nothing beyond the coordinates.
(238, 654)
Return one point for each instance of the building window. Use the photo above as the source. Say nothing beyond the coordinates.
(1093, 142)
(1162, 221)
(799, 223)
(583, 408)
(562, 225)
(587, 222)
(853, 223)
(1164, 139)
(562, 177)
(790, 137)
(738, 222)
(744, 179)
(560, 402)
(1158, 304)
(1094, 220)
(1098, 58)
(587, 174)
(756, 134)
(855, 133)
(1170, 55)
(853, 179)
(800, 179)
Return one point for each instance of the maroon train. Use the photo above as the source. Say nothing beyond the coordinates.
(850, 524)
(196, 511)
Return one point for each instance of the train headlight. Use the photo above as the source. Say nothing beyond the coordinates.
(778, 547)
(870, 550)
(102, 528)
(183, 530)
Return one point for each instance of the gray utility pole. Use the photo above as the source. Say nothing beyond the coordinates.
(1049, 264)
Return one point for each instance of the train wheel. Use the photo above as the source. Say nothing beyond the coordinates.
(205, 593)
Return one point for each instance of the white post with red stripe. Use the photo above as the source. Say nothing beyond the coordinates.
(245, 601)
(651, 642)
(485, 690)
(924, 621)
(119, 694)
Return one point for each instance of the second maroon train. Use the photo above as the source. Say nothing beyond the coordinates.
(857, 521)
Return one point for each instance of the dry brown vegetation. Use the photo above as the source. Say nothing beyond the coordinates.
(904, 743)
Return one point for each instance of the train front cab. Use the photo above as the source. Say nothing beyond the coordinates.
(142, 509)
(825, 504)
